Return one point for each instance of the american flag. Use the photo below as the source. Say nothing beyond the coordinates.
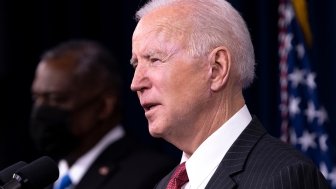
(304, 120)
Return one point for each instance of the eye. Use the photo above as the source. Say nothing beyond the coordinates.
(153, 60)
(58, 99)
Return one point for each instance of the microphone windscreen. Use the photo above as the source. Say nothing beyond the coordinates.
(7, 173)
(39, 173)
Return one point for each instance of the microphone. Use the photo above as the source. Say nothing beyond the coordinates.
(36, 175)
(7, 173)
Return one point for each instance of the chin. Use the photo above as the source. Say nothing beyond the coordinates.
(155, 131)
(155, 134)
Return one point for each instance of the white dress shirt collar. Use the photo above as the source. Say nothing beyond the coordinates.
(205, 160)
(79, 168)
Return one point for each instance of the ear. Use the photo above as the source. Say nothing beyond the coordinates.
(107, 106)
(220, 63)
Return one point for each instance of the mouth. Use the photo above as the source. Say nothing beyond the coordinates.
(149, 106)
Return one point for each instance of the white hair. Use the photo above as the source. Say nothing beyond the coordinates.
(214, 23)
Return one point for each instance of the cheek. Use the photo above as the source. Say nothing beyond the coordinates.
(186, 90)
(189, 82)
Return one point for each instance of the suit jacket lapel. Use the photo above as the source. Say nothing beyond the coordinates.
(99, 174)
(234, 160)
(105, 165)
(164, 182)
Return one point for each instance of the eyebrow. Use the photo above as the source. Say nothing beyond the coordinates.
(164, 55)
(134, 59)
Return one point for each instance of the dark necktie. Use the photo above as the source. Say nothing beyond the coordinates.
(64, 182)
(178, 178)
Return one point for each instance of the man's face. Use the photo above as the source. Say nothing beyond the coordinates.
(172, 86)
(54, 86)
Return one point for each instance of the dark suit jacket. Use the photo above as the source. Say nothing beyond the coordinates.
(256, 160)
(126, 165)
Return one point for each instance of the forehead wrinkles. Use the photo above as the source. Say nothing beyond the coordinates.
(156, 37)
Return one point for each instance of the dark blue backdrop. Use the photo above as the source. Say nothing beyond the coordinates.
(27, 28)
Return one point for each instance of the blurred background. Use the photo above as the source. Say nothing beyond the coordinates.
(28, 28)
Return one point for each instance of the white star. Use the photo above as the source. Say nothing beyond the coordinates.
(296, 77)
(332, 177)
(300, 50)
(322, 116)
(323, 142)
(289, 14)
(307, 140)
(288, 42)
(310, 112)
(310, 80)
(294, 106)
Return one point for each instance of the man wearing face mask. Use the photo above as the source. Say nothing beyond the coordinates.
(76, 119)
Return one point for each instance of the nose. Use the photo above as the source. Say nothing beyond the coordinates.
(140, 79)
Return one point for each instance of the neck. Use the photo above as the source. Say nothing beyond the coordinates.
(219, 111)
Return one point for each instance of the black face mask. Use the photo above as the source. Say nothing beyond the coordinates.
(50, 131)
